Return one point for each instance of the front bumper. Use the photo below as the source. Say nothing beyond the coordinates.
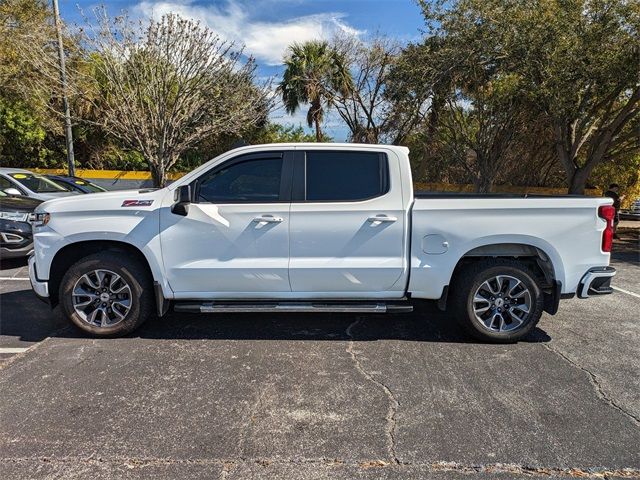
(16, 239)
(40, 288)
(597, 281)
(25, 251)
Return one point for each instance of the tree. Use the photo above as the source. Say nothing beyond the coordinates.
(365, 109)
(28, 136)
(314, 73)
(276, 133)
(575, 61)
(164, 87)
(475, 108)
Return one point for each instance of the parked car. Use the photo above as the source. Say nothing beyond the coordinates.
(318, 228)
(633, 213)
(16, 239)
(76, 184)
(16, 181)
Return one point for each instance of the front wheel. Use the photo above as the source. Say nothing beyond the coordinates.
(107, 294)
(497, 300)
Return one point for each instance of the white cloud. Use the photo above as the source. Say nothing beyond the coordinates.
(266, 41)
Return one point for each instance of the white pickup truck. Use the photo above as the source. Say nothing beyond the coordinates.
(317, 228)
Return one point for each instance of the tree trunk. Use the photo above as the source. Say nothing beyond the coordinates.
(578, 180)
(158, 174)
(484, 182)
(318, 131)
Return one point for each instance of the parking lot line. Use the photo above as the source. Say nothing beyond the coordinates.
(13, 349)
(18, 279)
(626, 291)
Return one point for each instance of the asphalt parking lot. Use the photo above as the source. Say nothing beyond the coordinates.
(241, 396)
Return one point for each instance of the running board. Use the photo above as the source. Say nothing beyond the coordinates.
(299, 307)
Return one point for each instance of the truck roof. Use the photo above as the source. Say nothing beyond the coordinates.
(325, 145)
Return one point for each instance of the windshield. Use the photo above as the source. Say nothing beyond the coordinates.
(38, 183)
(92, 187)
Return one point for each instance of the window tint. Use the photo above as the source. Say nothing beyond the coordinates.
(251, 181)
(345, 176)
(4, 183)
(92, 187)
(38, 183)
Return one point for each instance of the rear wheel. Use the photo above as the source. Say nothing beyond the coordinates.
(107, 294)
(497, 300)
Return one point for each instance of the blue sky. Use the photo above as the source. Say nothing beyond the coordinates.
(266, 27)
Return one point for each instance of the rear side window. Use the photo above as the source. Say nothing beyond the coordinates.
(249, 181)
(345, 176)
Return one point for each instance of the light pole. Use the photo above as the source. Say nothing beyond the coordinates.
(65, 102)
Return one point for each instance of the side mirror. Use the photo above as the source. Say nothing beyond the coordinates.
(183, 199)
(12, 191)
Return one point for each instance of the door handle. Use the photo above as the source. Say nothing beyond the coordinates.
(268, 219)
(378, 219)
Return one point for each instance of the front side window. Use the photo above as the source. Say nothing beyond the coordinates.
(345, 176)
(38, 183)
(248, 181)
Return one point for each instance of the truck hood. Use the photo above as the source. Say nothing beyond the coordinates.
(53, 195)
(144, 199)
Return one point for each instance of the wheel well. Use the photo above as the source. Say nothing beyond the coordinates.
(70, 254)
(537, 260)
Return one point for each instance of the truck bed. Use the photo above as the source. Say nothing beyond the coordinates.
(449, 226)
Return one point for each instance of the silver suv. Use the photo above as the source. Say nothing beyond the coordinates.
(16, 181)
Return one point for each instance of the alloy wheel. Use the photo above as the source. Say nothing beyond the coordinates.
(502, 304)
(102, 298)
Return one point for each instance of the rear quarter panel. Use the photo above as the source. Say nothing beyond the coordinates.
(568, 230)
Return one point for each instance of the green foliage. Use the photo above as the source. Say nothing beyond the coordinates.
(276, 133)
(22, 136)
(624, 172)
(571, 64)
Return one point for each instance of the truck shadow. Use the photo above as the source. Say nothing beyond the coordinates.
(28, 319)
(626, 247)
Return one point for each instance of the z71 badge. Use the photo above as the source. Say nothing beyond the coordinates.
(137, 203)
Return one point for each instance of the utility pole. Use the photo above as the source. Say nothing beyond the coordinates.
(65, 102)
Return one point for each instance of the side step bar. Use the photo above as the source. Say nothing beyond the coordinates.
(231, 307)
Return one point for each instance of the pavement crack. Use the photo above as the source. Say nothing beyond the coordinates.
(596, 384)
(392, 409)
(253, 411)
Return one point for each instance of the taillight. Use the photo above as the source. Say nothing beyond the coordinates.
(607, 212)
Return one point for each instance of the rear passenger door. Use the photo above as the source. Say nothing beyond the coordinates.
(346, 225)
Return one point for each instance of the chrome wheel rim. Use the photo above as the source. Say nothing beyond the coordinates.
(502, 304)
(102, 298)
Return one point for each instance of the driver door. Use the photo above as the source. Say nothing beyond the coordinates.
(234, 241)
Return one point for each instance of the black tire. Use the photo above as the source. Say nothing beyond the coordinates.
(472, 277)
(140, 292)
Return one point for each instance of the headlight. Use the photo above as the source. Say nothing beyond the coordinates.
(15, 216)
(39, 219)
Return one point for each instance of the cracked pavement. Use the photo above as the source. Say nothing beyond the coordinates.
(242, 396)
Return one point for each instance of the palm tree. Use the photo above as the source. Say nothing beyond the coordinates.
(315, 73)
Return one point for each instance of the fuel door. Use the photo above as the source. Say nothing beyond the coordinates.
(434, 244)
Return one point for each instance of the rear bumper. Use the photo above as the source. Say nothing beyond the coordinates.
(40, 288)
(597, 281)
